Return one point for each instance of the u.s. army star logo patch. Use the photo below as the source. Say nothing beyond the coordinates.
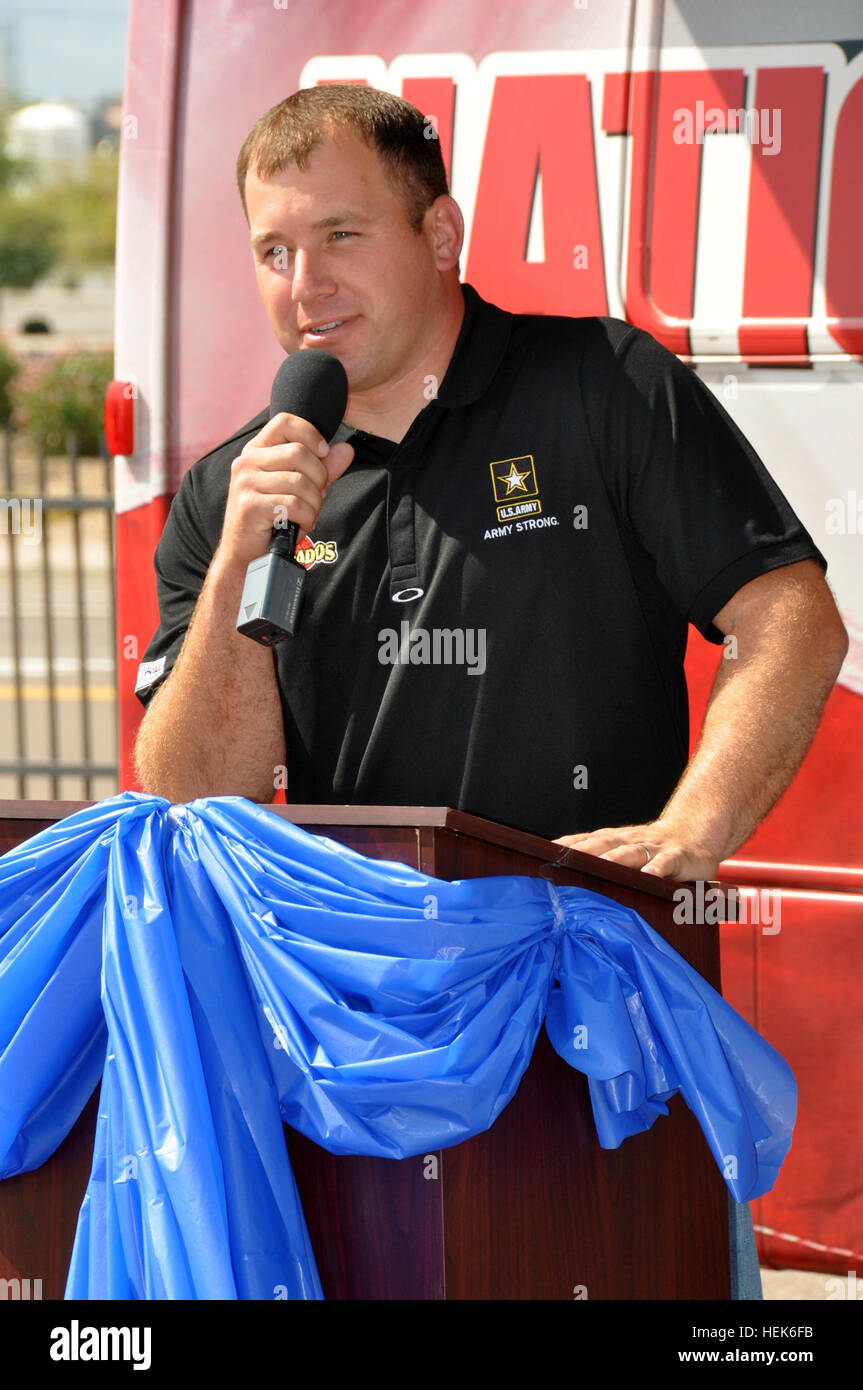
(515, 489)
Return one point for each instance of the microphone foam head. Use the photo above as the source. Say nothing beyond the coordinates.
(313, 384)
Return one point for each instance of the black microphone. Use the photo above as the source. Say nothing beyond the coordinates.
(313, 384)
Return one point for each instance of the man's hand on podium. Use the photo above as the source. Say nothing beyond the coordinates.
(670, 856)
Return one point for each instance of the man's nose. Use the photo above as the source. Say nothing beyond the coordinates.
(311, 278)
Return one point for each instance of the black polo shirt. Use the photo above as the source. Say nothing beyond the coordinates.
(496, 608)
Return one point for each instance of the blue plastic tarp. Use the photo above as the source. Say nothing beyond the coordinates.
(223, 970)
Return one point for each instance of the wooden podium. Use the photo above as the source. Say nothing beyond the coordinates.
(531, 1209)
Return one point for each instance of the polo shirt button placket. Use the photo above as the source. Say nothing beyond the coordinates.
(405, 585)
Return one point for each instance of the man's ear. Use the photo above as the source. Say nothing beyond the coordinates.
(446, 225)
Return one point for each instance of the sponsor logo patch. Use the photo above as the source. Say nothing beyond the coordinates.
(317, 553)
(515, 489)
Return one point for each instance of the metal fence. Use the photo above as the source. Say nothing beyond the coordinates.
(58, 661)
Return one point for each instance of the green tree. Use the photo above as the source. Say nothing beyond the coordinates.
(85, 208)
(29, 243)
(9, 368)
(29, 236)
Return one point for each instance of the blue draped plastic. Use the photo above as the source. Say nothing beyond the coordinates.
(252, 972)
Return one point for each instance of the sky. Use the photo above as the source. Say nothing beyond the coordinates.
(60, 48)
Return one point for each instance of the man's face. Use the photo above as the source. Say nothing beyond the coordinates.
(333, 243)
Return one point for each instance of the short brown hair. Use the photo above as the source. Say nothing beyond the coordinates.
(404, 138)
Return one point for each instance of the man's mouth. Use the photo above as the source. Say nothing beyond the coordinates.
(324, 330)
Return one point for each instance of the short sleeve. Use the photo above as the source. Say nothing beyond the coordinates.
(689, 485)
(181, 562)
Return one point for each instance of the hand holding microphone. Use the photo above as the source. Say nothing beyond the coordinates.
(281, 470)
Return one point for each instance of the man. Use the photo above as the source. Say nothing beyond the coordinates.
(505, 557)
(555, 701)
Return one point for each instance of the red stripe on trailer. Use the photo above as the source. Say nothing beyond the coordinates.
(138, 532)
(783, 205)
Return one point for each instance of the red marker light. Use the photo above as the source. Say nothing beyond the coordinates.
(120, 417)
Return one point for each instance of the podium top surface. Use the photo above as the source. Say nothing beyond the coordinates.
(546, 852)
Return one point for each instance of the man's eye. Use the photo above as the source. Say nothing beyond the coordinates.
(344, 233)
(280, 251)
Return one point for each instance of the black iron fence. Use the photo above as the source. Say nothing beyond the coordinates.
(58, 672)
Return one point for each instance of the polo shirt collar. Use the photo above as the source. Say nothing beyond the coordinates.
(478, 352)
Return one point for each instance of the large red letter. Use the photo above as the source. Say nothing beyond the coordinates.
(843, 281)
(783, 199)
(539, 124)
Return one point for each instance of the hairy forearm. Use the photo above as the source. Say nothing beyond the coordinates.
(764, 708)
(214, 728)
